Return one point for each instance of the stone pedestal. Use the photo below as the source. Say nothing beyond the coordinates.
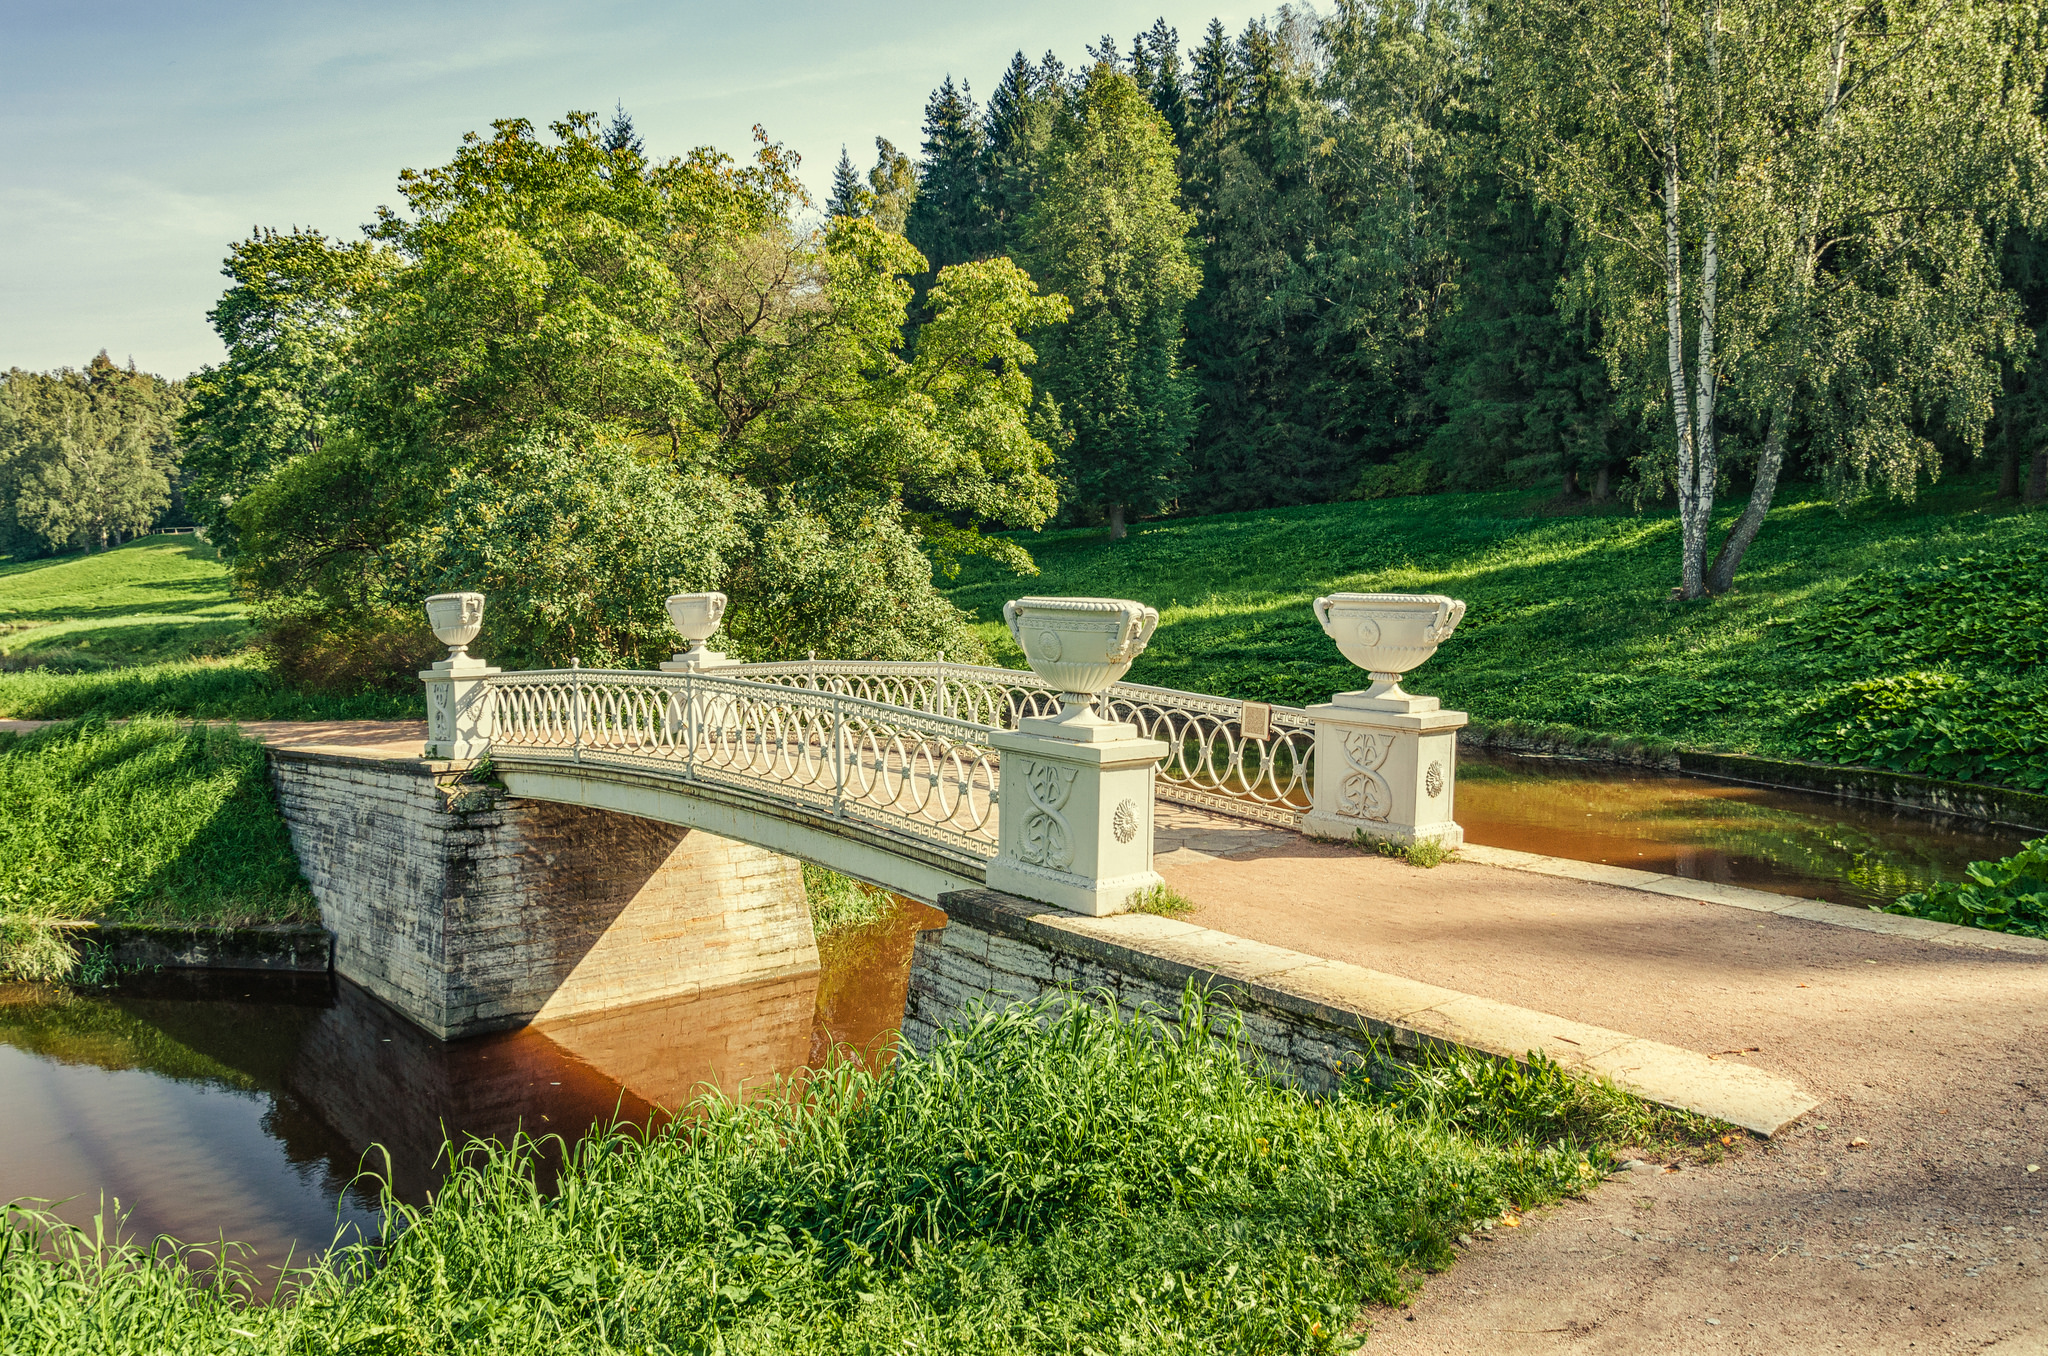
(1075, 818)
(697, 659)
(1387, 768)
(460, 717)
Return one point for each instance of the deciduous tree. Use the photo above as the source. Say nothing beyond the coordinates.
(1781, 209)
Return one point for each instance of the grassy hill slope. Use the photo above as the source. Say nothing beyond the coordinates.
(1908, 636)
(152, 626)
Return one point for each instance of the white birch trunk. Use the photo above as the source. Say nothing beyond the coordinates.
(1692, 527)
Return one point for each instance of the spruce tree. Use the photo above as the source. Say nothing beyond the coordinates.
(1156, 65)
(619, 136)
(849, 195)
(947, 222)
(1016, 128)
(1107, 230)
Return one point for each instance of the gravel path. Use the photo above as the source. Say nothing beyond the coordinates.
(1928, 1238)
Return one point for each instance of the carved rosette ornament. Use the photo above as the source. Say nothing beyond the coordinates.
(1124, 823)
(1433, 780)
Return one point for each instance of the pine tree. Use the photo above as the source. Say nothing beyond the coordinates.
(947, 222)
(849, 196)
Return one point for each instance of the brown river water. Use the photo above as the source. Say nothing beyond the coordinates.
(245, 1106)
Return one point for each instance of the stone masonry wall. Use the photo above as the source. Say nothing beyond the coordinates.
(997, 949)
(471, 911)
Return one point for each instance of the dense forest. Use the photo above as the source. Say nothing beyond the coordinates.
(88, 457)
(1649, 256)
(1422, 237)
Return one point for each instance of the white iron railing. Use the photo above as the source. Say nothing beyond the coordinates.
(1247, 759)
(915, 773)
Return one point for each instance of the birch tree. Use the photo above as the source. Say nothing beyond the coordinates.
(1784, 214)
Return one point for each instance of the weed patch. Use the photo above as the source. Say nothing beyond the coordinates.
(1162, 900)
(839, 903)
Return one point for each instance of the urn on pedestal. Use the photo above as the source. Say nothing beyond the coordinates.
(456, 618)
(1387, 634)
(459, 712)
(696, 617)
(1082, 647)
(1386, 762)
(1075, 813)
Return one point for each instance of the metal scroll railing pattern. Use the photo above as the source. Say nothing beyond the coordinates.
(1239, 758)
(907, 770)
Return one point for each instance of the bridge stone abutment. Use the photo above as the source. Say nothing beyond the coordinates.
(470, 911)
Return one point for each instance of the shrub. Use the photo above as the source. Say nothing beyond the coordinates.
(2003, 896)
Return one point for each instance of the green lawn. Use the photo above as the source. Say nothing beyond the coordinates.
(160, 598)
(152, 626)
(1907, 636)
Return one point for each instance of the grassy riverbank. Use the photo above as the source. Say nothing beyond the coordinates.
(146, 821)
(150, 627)
(1913, 637)
(1087, 1184)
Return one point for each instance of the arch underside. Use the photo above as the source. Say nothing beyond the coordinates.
(860, 848)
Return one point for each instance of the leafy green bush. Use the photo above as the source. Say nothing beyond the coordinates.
(1054, 1178)
(576, 548)
(2004, 896)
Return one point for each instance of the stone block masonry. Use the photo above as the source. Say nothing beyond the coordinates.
(1312, 1019)
(471, 911)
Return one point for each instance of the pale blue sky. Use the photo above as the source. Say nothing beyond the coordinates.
(141, 138)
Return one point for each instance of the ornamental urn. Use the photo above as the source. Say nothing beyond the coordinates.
(1081, 646)
(696, 616)
(1387, 634)
(456, 618)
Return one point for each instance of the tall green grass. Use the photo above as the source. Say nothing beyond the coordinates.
(1913, 636)
(148, 821)
(839, 903)
(1054, 1178)
(240, 687)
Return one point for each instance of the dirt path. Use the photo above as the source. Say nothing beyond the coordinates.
(1931, 1239)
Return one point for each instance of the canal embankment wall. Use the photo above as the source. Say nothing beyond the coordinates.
(1313, 1020)
(471, 911)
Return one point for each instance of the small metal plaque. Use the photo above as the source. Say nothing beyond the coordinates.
(1256, 720)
